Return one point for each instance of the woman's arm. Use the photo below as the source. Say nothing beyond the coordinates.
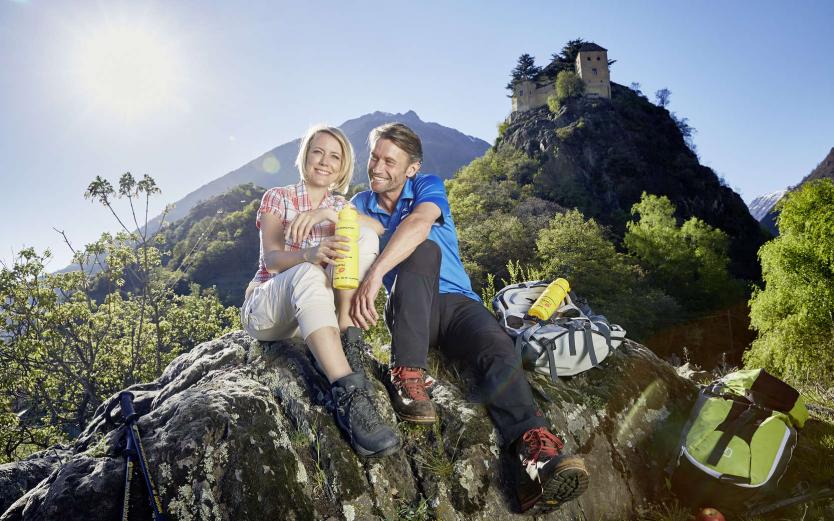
(276, 259)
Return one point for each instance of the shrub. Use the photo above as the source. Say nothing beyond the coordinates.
(568, 85)
(792, 313)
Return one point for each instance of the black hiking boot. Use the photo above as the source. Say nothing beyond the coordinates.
(358, 417)
(409, 398)
(547, 478)
(355, 349)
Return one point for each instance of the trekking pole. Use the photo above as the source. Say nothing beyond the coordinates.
(808, 497)
(135, 453)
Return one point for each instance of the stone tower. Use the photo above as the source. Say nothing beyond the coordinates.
(592, 67)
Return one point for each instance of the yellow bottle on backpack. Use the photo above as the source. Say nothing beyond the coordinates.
(346, 270)
(550, 300)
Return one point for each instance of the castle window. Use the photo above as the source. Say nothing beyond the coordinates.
(589, 58)
(597, 58)
(594, 70)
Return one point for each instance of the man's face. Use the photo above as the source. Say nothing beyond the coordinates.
(389, 167)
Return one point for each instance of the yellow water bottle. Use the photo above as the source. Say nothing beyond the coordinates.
(549, 301)
(346, 270)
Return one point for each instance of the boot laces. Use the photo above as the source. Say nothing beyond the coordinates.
(541, 444)
(359, 408)
(411, 379)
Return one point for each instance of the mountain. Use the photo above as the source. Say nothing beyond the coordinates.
(600, 155)
(761, 205)
(444, 150)
(823, 170)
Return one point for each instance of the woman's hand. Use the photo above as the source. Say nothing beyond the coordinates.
(302, 225)
(328, 251)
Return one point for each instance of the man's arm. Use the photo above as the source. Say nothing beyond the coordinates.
(412, 231)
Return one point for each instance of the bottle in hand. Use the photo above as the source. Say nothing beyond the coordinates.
(346, 270)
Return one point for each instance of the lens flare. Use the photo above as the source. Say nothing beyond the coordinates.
(270, 164)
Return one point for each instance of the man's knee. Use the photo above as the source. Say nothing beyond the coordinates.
(425, 255)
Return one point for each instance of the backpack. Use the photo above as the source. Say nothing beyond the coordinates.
(573, 340)
(738, 440)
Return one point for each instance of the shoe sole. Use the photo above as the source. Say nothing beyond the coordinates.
(384, 452)
(567, 484)
(416, 419)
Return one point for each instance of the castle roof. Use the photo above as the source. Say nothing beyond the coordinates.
(591, 46)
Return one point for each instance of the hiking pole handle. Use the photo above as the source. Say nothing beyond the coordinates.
(126, 401)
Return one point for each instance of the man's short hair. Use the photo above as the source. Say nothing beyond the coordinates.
(345, 173)
(400, 135)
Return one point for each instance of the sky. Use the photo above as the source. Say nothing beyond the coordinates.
(212, 84)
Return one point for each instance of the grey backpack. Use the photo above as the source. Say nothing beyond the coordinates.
(572, 341)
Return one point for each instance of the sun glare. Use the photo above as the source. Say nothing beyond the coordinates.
(127, 71)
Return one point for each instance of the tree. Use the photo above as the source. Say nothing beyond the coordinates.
(64, 351)
(484, 197)
(793, 312)
(688, 262)
(662, 97)
(525, 69)
(579, 250)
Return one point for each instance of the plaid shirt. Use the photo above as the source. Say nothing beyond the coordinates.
(287, 202)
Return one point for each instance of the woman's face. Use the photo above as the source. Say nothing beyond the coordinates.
(324, 160)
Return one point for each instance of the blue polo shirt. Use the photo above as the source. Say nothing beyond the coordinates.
(422, 188)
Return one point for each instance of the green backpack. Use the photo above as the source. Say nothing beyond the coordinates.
(738, 441)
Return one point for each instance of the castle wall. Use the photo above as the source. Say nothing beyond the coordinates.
(527, 95)
(592, 67)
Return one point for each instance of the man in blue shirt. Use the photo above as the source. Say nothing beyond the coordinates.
(431, 304)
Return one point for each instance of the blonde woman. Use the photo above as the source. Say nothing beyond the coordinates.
(291, 294)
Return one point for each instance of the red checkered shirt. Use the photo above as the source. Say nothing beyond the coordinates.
(287, 202)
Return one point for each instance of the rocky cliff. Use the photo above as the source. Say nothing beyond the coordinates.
(236, 429)
(600, 155)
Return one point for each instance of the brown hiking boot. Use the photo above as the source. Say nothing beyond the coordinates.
(409, 397)
(548, 478)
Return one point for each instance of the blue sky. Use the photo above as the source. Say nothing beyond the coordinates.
(232, 81)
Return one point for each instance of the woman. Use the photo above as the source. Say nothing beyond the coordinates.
(291, 294)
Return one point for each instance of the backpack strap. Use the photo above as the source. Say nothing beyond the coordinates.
(737, 423)
(589, 343)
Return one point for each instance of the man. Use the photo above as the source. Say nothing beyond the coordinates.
(431, 303)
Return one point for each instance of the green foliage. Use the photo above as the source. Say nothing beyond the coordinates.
(525, 69)
(64, 351)
(568, 85)
(793, 313)
(553, 104)
(485, 197)
(578, 250)
(502, 127)
(688, 262)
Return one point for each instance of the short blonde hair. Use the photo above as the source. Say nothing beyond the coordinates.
(345, 173)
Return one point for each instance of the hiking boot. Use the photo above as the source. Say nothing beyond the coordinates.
(355, 349)
(359, 418)
(548, 478)
(409, 397)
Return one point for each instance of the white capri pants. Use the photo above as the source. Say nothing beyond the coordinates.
(299, 300)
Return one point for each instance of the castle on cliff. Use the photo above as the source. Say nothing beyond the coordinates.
(591, 66)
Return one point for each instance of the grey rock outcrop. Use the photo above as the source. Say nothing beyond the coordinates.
(236, 429)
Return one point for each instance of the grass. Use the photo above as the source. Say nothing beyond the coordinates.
(419, 510)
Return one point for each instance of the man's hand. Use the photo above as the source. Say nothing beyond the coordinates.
(300, 227)
(328, 251)
(362, 306)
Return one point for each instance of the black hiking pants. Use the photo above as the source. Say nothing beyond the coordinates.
(419, 316)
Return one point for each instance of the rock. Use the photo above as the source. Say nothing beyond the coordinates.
(599, 156)
(17, 478)
(236, 429)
